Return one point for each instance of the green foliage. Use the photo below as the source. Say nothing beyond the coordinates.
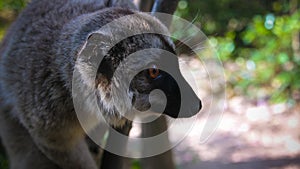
(267, 61)
(136, 164)
(16, 5)
(255, 38)
(3, 162)
(218, 14)
(9, 9)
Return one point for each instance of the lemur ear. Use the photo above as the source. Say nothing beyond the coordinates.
(96, 37)
(93, 61)
(105, 69)
(99, 45)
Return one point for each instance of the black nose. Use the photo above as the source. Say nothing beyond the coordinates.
(200, 105)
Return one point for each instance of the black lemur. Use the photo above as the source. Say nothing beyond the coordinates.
(38, 124)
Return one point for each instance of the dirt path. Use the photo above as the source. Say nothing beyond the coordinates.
(249, 136)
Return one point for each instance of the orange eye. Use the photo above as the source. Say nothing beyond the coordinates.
(153, 72)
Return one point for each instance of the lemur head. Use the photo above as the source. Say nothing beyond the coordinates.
(135, 66)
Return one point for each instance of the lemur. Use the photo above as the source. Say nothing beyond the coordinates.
(38, 124)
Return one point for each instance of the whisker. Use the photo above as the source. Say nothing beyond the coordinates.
(183, 42)
(186, 28)
(198, 43)
(196, 17)
(200, 48)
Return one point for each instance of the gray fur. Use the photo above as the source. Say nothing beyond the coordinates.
(38, 125)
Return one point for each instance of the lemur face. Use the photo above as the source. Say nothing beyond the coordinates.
(149, 78)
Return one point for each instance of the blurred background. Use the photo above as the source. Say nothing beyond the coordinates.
(258, 43)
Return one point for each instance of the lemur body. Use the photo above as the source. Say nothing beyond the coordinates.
(38, 123)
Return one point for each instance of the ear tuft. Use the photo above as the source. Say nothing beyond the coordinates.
(93, 60)
(93, 37)
(101, 41)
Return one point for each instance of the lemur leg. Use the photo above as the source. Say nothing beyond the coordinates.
(164, 160)
(3, 154)
(75, 157)
(65, 146)
(95, 150)
(113, 161)
(21, 149)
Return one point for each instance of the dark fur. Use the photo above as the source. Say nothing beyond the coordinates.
(38, 123)
(37, 59)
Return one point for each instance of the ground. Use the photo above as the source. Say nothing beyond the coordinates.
(249, 135)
